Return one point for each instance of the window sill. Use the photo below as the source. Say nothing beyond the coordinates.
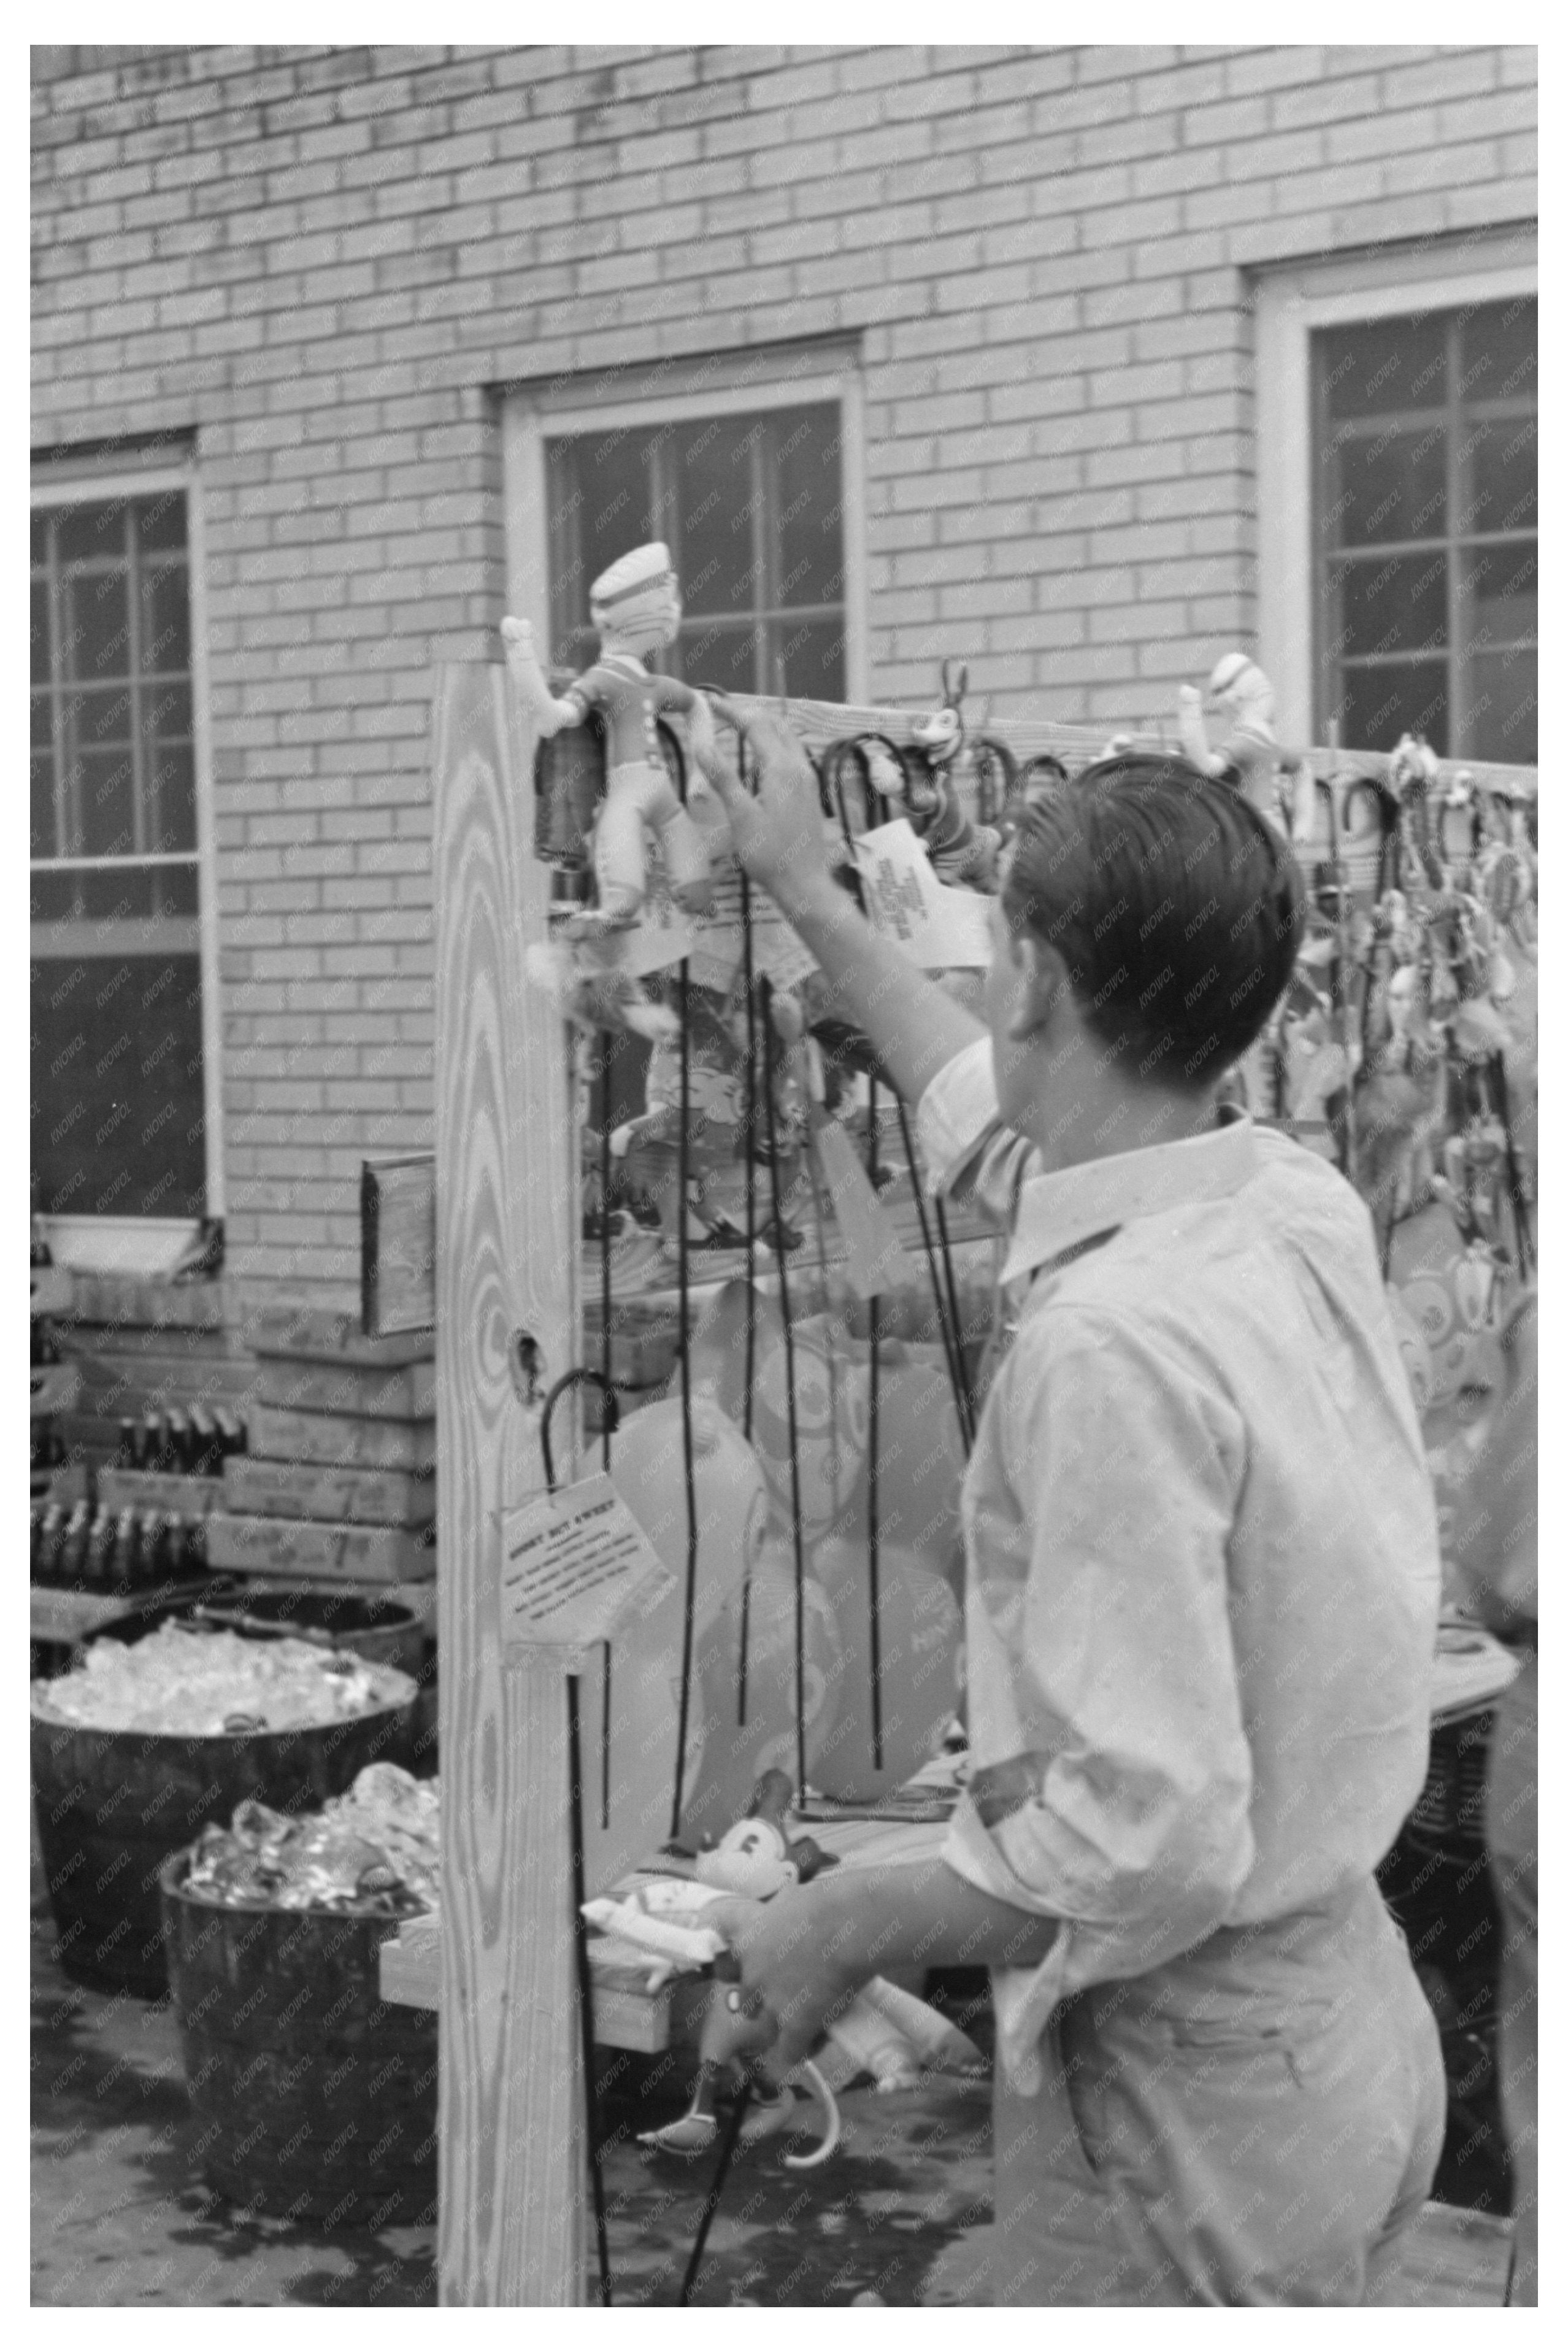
(147, 1247)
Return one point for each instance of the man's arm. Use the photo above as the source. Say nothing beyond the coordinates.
(805, 1954)
(916, 1027)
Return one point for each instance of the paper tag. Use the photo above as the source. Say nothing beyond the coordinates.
(941, 930)
(718, 946)
(876, 1259)
(574, 1565)
(660, 937)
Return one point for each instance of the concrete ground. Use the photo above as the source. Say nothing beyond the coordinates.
(121, 2218)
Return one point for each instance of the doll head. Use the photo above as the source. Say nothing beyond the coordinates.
(1241, 687)
(635, 606)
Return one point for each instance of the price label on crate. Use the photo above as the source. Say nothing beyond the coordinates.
(575, 1566)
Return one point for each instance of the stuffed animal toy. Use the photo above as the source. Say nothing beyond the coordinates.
(635, 607)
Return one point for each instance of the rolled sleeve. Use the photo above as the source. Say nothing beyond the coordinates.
(1125, 1683)
(965, 1150)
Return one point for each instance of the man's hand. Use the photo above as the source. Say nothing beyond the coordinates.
(793, 1981)
(777, 833)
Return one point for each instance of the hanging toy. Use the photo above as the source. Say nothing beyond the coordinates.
(635, 607)
(949, 786)
(1251, 752)
(756, 1856)
(720, 1144)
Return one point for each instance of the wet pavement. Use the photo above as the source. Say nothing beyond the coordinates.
(122, 2216)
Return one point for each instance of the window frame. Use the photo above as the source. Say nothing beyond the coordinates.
(1290, 307)
(65, 485)
(531, 416)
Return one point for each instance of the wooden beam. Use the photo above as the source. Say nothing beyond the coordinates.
(513, 2156)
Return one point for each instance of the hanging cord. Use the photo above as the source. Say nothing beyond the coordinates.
(874, 1447)
(710, 2203)
(579, 1887)
(585, 1987)
(834, 761)
(766, 987)
(682, 1291)
(749, 1157)
(581, 1377)
(1523, 1241)
(968, 1416)
(605, 1049)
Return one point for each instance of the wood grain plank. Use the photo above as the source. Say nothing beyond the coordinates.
(512, 2157)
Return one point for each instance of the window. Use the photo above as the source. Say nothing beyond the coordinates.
(121, 1051)
(1425, 434)
(751, 507)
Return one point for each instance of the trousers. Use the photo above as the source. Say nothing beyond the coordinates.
(1255, 2122)
(1510, 1842)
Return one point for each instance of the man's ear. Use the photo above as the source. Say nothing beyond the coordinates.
(1043, 977)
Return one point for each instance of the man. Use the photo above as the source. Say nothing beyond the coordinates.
(1202, 1582)
(1496, 1546)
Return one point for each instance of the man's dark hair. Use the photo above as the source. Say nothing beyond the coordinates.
(1177, 909)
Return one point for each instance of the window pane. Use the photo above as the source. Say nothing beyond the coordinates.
(43, 717)
(810, 568)
(89, 534)
(723, 655)
(40, 633)
(54, 897)
(1501, 489)
(177, 891)
(1496, 348)
(160, 521)
(711, 461)
(41, 840)
(613, 475)
(1384, 365)
(1397, 603)
(1502, 718)
(1378, 706)
(1392, 487)
(166, 710)
(40, 541)
(107, 786)
(174, 772)
(98, 625)
(165, 618)
(118, 1128)
(1501, 593)
(122, 894)
(813, 653)
(97, 715)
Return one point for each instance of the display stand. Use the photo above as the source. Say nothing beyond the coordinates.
(507, 1243)
(512, 2166)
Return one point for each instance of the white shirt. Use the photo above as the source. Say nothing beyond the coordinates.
(1202, 1548)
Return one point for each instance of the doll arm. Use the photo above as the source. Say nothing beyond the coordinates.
(548, 715)
(1193, 734)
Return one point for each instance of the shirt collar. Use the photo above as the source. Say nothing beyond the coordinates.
(1056, 1211)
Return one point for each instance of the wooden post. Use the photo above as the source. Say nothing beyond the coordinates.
(507, 1250)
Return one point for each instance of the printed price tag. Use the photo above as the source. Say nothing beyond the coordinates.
(939, 928)
(574, 1565)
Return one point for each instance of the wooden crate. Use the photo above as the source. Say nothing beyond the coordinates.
(310, 1335)
(339, 1438)
(316, 1547)
(404, 1393)
(626, 2016)
(160, 1490)
(293, 1490)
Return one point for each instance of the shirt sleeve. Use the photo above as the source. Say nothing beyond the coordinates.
(1125, 1681)
(967, 1153)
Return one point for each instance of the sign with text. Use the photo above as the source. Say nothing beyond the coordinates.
(939, 928)
(574, 1565)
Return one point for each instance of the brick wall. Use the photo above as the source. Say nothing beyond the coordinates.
(322, 260)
